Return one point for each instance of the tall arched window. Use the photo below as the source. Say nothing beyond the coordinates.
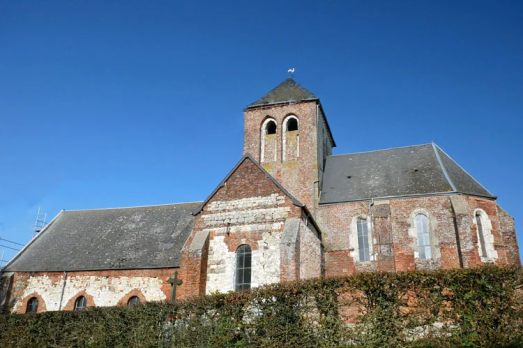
(422, 230)
(80, 304)
(363, 241)
(32, 305)
(133, 301)
(243, 267)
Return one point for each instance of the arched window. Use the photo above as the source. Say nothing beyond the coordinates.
(363, 241)
(80, 304)
(270, 128)
(32, 305)
(133, 301)
(422, 230)
(243, 267)
(292, 124)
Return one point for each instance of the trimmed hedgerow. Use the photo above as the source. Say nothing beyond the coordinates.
(478, 307)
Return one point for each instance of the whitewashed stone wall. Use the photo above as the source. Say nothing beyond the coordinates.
(106, 291)
(222, 263)
(263, 216)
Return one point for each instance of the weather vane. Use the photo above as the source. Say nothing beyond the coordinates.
(291, 71)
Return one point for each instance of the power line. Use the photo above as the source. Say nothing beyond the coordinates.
(11, 242)
(5, 246)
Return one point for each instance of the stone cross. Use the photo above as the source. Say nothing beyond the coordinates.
(175, 282)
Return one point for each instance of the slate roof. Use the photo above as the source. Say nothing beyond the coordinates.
(287, 91)
(121, 238)
(405, 171)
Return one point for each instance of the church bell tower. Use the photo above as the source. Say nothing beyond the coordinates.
(287, 132)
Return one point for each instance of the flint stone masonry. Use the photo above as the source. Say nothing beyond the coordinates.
(247, 203)
(103, 288)
(243, 216)
(222, 263)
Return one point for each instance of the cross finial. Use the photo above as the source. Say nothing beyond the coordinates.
(291, 71)
(175, 282)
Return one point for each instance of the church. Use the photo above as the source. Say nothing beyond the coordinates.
(288, 210)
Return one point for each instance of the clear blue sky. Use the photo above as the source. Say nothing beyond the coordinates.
(125, 103)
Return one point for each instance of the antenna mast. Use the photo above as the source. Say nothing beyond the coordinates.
(40, 222)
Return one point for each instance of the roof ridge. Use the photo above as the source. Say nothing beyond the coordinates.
(434, 147)
(463, 169)
(138, 206)
(391, 148)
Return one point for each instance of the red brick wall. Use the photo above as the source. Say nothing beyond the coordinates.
(295, 174)
(508, 232)
(394, 218)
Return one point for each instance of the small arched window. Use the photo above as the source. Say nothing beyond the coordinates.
(133, 301)
(292, 124)
(243, 267)
(32, 305)
(422, 230)
(363, 241)
(80, 304)
(270, 128)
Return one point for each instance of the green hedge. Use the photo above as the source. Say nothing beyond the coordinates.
(478, 307)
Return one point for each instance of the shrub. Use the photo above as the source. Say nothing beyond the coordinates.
(478, 307)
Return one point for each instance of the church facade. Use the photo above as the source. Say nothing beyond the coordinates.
(288, 210)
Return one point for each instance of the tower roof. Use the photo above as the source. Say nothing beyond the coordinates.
(287, 91)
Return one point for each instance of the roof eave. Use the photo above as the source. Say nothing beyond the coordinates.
(291, 101)
(414, 195)
(96, 269)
